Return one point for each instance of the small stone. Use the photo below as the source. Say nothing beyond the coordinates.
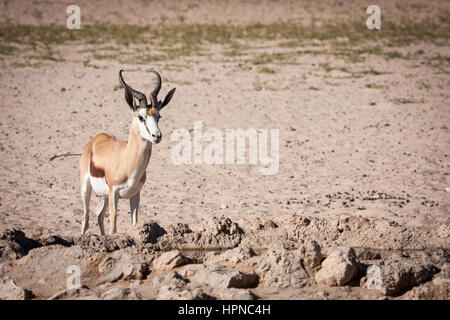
(225, 277)
(443, 231)
(120, 294)
(82, 293)
(397, 274)
(223, 225)
(10, 250)
(311, 255)
(190, 270)
(194, 294)
(19, 237)
(432, 290)
(170, 260)
(269, 224)
(174, 287)
(236, 294)
(322, 295)
(136, 284)
(10, 291)
(127, 267)
(339, 268)
(280, 268)
(150, 232)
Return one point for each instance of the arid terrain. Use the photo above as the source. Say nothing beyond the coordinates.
(358, 209)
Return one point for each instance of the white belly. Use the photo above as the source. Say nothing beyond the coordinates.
(99, 186)
(127, 189)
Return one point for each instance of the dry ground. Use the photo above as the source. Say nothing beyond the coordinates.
(357, 112)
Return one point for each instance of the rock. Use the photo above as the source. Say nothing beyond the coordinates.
(136, 284)
(322, 295)
(39, 237)
(194, 294)
(363, 281)
(122, 266)
(217, 285)
(232, 256)
(178, 229)
(169, 260)
(18, 236)
(10, 250)
(42, 236)
(222, 225)
(172, 280)
(311, 255)
(225, 277)
(53, 239)
(438, 289)
(10, 291)
(190, 270)
(236, 294)
(120, 294)
(447, 189)
(445, 270)
(242, 280)
(396, 274)
(279, 268)
(83, 293)
(45, 269)
(150, 232)
(257, 224)
(339, 268)
(269, 224)
(444, 230)
(174, 287)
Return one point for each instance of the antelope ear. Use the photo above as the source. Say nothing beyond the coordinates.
(168, 98)
(130, 99)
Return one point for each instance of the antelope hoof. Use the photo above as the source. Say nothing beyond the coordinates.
(84, 228)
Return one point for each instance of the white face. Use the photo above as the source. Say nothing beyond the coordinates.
(148, 126)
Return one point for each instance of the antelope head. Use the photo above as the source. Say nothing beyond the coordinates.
(147, 115)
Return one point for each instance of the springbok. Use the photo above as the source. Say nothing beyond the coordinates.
(115, 169)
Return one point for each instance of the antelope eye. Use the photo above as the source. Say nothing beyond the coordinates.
(141, 119)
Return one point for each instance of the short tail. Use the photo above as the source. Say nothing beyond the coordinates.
(64, 155)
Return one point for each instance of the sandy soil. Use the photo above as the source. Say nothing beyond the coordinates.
(331, 140)
(347, 147)
(203, 11)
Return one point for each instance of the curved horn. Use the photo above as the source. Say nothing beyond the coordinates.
(138, 95)
(154, 94)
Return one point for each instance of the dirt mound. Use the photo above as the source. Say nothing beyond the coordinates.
(356, 232)
(294, 260)
(217, 233)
